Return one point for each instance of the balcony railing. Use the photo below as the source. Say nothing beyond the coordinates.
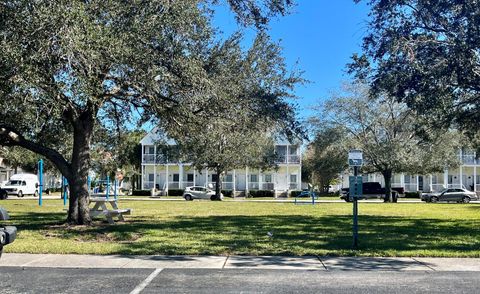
(150, 158)
(293, 186)
(469, 159)
(288, 159)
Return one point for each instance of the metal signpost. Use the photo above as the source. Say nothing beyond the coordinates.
(355, 159)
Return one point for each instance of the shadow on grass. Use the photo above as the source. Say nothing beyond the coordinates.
(292, 234)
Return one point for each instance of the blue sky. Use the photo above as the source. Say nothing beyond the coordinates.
(321, 35)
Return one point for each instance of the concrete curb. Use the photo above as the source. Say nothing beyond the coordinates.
(242, 262)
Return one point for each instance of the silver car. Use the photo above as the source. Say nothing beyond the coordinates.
(451, 195)
(198, 192)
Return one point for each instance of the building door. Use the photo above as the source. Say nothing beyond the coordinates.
(420, 183)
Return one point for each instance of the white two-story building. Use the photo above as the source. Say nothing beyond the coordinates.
(467, 175)
(163, 173)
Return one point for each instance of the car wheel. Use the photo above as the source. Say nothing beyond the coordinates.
(3, 194)
(20, 194)
(466, 199)
(35, 194)
(188, 197)
(434, 199)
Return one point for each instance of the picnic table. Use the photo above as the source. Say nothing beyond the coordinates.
(100, 208)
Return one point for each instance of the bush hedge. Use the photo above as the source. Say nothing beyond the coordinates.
(175, 192)
(260, 193)
(141, 193)
(412, 194)
(227, 193)
(294, 193)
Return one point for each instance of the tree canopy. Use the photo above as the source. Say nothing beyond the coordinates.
(387, 133)
(427, 54)
(67, 67)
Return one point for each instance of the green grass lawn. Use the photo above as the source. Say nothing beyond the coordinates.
(205, 227)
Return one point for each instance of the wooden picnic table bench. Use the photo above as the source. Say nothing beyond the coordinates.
(100, 209)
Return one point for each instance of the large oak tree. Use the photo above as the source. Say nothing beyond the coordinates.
(69, 66)
(426, 53)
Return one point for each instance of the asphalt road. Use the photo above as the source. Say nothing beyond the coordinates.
(54, 280)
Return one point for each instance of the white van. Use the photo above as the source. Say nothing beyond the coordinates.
(22, 184)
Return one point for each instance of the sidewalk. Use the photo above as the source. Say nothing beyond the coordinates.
(242, 262)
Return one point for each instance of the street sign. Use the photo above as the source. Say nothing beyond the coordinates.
(355, 157)
(355, 186)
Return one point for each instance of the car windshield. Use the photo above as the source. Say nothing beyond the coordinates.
(14, 183)
(443, 191)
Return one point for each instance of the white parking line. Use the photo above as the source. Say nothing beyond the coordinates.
(147, 281)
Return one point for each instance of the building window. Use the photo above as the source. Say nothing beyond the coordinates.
(189, 177)
(176, 177)
(254, 178)
(151, 177)
(268, 178)
(293, 149)
(214, 177)
(434, 179)
(406, 179)
(293, 178)
(229, 178)
(149, 150)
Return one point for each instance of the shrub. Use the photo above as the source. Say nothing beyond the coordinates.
(175, 192)
(227, 193)
(141, 193)
(260, 193)
(295, 193)
(412, 194)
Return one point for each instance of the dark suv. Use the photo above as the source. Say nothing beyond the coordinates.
(7, 233)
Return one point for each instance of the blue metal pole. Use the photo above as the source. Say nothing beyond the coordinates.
(64, 185)
(108, 186)
(40, 180)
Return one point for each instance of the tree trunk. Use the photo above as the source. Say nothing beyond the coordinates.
(218, 184)
(79, 212)
(387, 176)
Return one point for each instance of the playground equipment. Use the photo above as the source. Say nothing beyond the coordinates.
(64, 190)
(105, 188)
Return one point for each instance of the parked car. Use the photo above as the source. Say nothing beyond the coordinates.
(372, 190)
(198, 192)
(7, 233)
(22, 184)
(451, 195)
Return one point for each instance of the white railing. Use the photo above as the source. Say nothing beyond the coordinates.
(293, 158)
(174, 185)
(253, 186)
(186, 184)
(293, 186)
(267, 186)
(469, 159)
(411, 187)
(456, 186)
(437, 187)
(147, 185)
(227, 185)
(150, 158)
